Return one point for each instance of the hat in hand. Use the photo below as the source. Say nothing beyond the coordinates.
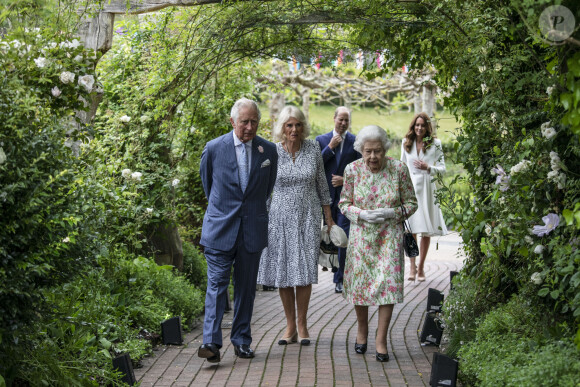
(338, 236)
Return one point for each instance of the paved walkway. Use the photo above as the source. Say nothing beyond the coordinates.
(330, 360)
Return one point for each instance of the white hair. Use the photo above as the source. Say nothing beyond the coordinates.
(243, 102)
(371, 133)
(287, 113)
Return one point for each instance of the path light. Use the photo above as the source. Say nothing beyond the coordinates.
(122, 364)
(434, 301)
(443, 371)
(171, 331)
(432, 331)
(451, 275)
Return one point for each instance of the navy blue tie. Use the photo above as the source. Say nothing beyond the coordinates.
(337, 154)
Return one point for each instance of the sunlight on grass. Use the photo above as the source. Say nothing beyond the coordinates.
(396, 123)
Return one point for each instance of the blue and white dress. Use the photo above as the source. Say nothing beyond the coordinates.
(291, 258)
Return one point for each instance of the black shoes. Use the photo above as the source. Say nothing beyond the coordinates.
(382, 357)
(244, 351)
(210, 351)
(360, 348)
(338, 287)
(267, 288)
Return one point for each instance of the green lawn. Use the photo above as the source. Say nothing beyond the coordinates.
(396, 123)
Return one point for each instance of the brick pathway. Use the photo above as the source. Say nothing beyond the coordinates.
(330, 360)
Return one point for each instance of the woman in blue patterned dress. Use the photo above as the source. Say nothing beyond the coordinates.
(290, 262)
(375, 188)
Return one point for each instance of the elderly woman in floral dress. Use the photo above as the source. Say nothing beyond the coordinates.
(375, 189)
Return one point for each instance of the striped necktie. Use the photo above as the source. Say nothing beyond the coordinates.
(243, 167)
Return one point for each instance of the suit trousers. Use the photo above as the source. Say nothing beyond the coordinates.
(219, 265)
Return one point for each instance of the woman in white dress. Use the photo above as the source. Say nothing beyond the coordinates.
(290, 262)
(423, 154)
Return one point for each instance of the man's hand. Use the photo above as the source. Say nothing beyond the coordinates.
(337, 180)
(335, 141)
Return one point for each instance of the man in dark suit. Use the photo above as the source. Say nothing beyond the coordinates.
(337, 152)
(238, 172)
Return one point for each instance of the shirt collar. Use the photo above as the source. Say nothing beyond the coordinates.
(237, 141)
(334, 133)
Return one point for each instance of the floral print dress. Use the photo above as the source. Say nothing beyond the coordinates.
(374, 273)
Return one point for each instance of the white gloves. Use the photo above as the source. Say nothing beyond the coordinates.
(387, 213)
(377, 216)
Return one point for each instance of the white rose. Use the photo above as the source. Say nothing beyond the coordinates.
(78, 58)
(488, 229)
(529, 240)
(149, 210)
(539, 249)
(55, 91)
(126, 173)
(497, 67)
(521, 166)
(40, 62)
(125, 119)
(482, 69)
(494, 117)
(136, 176)
(87, 82)
(66, 240)
(484, 88)
(536, 278)
(2, 156)
(550, 90)
(175, 182)
(67, 77)
(549, 133)
(74, 44)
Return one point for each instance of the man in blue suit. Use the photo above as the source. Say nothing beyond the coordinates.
(238, 172)
(337, 152)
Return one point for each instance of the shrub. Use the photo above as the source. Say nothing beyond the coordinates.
(194, 265)
(513, 348)
(462, 308)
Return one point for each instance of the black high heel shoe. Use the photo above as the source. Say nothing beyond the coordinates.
(360, 348)
(382, 357)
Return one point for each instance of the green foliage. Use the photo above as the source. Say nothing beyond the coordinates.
(112, 309)
(42, 242)
(513, 348)
(194, 265)
(462, 309)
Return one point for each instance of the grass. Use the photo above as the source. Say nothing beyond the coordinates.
(396, 123)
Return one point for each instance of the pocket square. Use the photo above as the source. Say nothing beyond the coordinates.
(265, 163)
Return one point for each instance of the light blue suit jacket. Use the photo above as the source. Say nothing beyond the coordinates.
(228, 207)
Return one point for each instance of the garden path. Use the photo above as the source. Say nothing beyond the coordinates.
(330, 360)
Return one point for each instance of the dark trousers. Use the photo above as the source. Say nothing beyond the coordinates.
(219, 265)
(342, 222)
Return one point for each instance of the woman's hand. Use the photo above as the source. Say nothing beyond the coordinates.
(330, 223)
(419, 164)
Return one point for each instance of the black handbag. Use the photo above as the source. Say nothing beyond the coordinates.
(409, 243)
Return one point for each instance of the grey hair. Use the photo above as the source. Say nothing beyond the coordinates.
(244, 102)
(371, 133)
(287, 113)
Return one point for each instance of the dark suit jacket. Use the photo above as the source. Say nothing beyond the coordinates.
(328, 157)
(229, 207)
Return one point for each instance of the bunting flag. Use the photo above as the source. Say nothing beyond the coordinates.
(405, 69)
(378, 59)
(339, 59)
